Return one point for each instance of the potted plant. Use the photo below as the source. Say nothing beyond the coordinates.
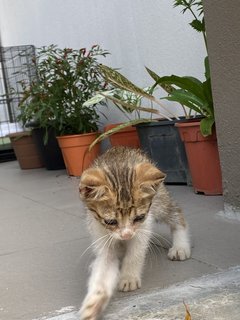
(118, 135)
(199, 136)
(68, 78)
(35, 113)
(160, 139)
(126, 136)
(25, 150)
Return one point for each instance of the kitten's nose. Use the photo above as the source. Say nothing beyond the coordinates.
(126, 234)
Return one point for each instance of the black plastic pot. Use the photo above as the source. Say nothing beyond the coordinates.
(51, 153)
(162, 142)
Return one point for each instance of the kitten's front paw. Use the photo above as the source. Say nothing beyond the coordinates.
(179, 253)
(129, 284)
(93, 305)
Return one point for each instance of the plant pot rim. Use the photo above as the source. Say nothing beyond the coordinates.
(189, 123)
(19, 134)
(164, 122)
(114, 125)
(69, 136)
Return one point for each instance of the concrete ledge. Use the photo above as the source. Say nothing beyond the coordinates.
(230, 212)
(211, 297)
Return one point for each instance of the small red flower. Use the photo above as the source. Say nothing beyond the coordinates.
(83, 50)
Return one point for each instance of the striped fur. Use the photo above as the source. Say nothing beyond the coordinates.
(124, 195)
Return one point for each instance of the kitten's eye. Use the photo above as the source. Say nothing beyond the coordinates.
(112, 222)
(139, 218)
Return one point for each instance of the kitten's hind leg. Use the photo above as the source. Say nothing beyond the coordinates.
(181, 249)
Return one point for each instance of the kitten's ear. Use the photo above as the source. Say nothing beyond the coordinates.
(148, 178)
(93, 185)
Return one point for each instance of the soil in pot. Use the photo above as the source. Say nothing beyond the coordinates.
(26, 150)
(203, 158)
(75, 151)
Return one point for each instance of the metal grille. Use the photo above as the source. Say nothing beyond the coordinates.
(16, 64)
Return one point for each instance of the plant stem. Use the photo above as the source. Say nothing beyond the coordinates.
(164, 108)
(188, 6)
(185, 111)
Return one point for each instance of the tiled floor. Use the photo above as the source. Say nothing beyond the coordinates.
(43, 235)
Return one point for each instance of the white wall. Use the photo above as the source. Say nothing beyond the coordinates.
(138, 33)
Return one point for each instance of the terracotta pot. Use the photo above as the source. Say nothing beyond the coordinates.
(203, 158)
(26, 150)
(75, 152)
(125, 137)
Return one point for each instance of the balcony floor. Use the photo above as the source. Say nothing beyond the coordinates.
(43, 235)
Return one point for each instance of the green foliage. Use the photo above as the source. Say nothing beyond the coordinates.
(198, 25)
(126, 101)
(127, 96)
(195, 7)
(189, 91)
(192, 93)
(189, 4)
(66, 78)
(119, 81)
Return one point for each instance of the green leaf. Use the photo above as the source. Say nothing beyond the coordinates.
(206, 126)
(198, 25)
(97, 98)
(191, 84)
(117, 129)
(187, 99)
(131, 106)
(208, 95)
(117, 79)
(207, 68)
(167, 87)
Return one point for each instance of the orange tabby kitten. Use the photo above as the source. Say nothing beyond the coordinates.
(124, 195)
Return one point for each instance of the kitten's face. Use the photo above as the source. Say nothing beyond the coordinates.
(122, 209)
(121, 221)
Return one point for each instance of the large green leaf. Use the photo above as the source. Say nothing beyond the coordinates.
(118, 80)
(206, 126)
(209, 99)
(167, 87)
(190, 84)
(187, 99)
(194, 80)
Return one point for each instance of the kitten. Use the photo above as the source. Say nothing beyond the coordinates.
(124, 195)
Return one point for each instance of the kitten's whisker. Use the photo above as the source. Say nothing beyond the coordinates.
(156, 236)
(153, 247)
(110, 242)
(153, 253)
(156, 247)
(93, 243)
(144, 236)
(149, 246)
(106, 242)
(158, 241)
